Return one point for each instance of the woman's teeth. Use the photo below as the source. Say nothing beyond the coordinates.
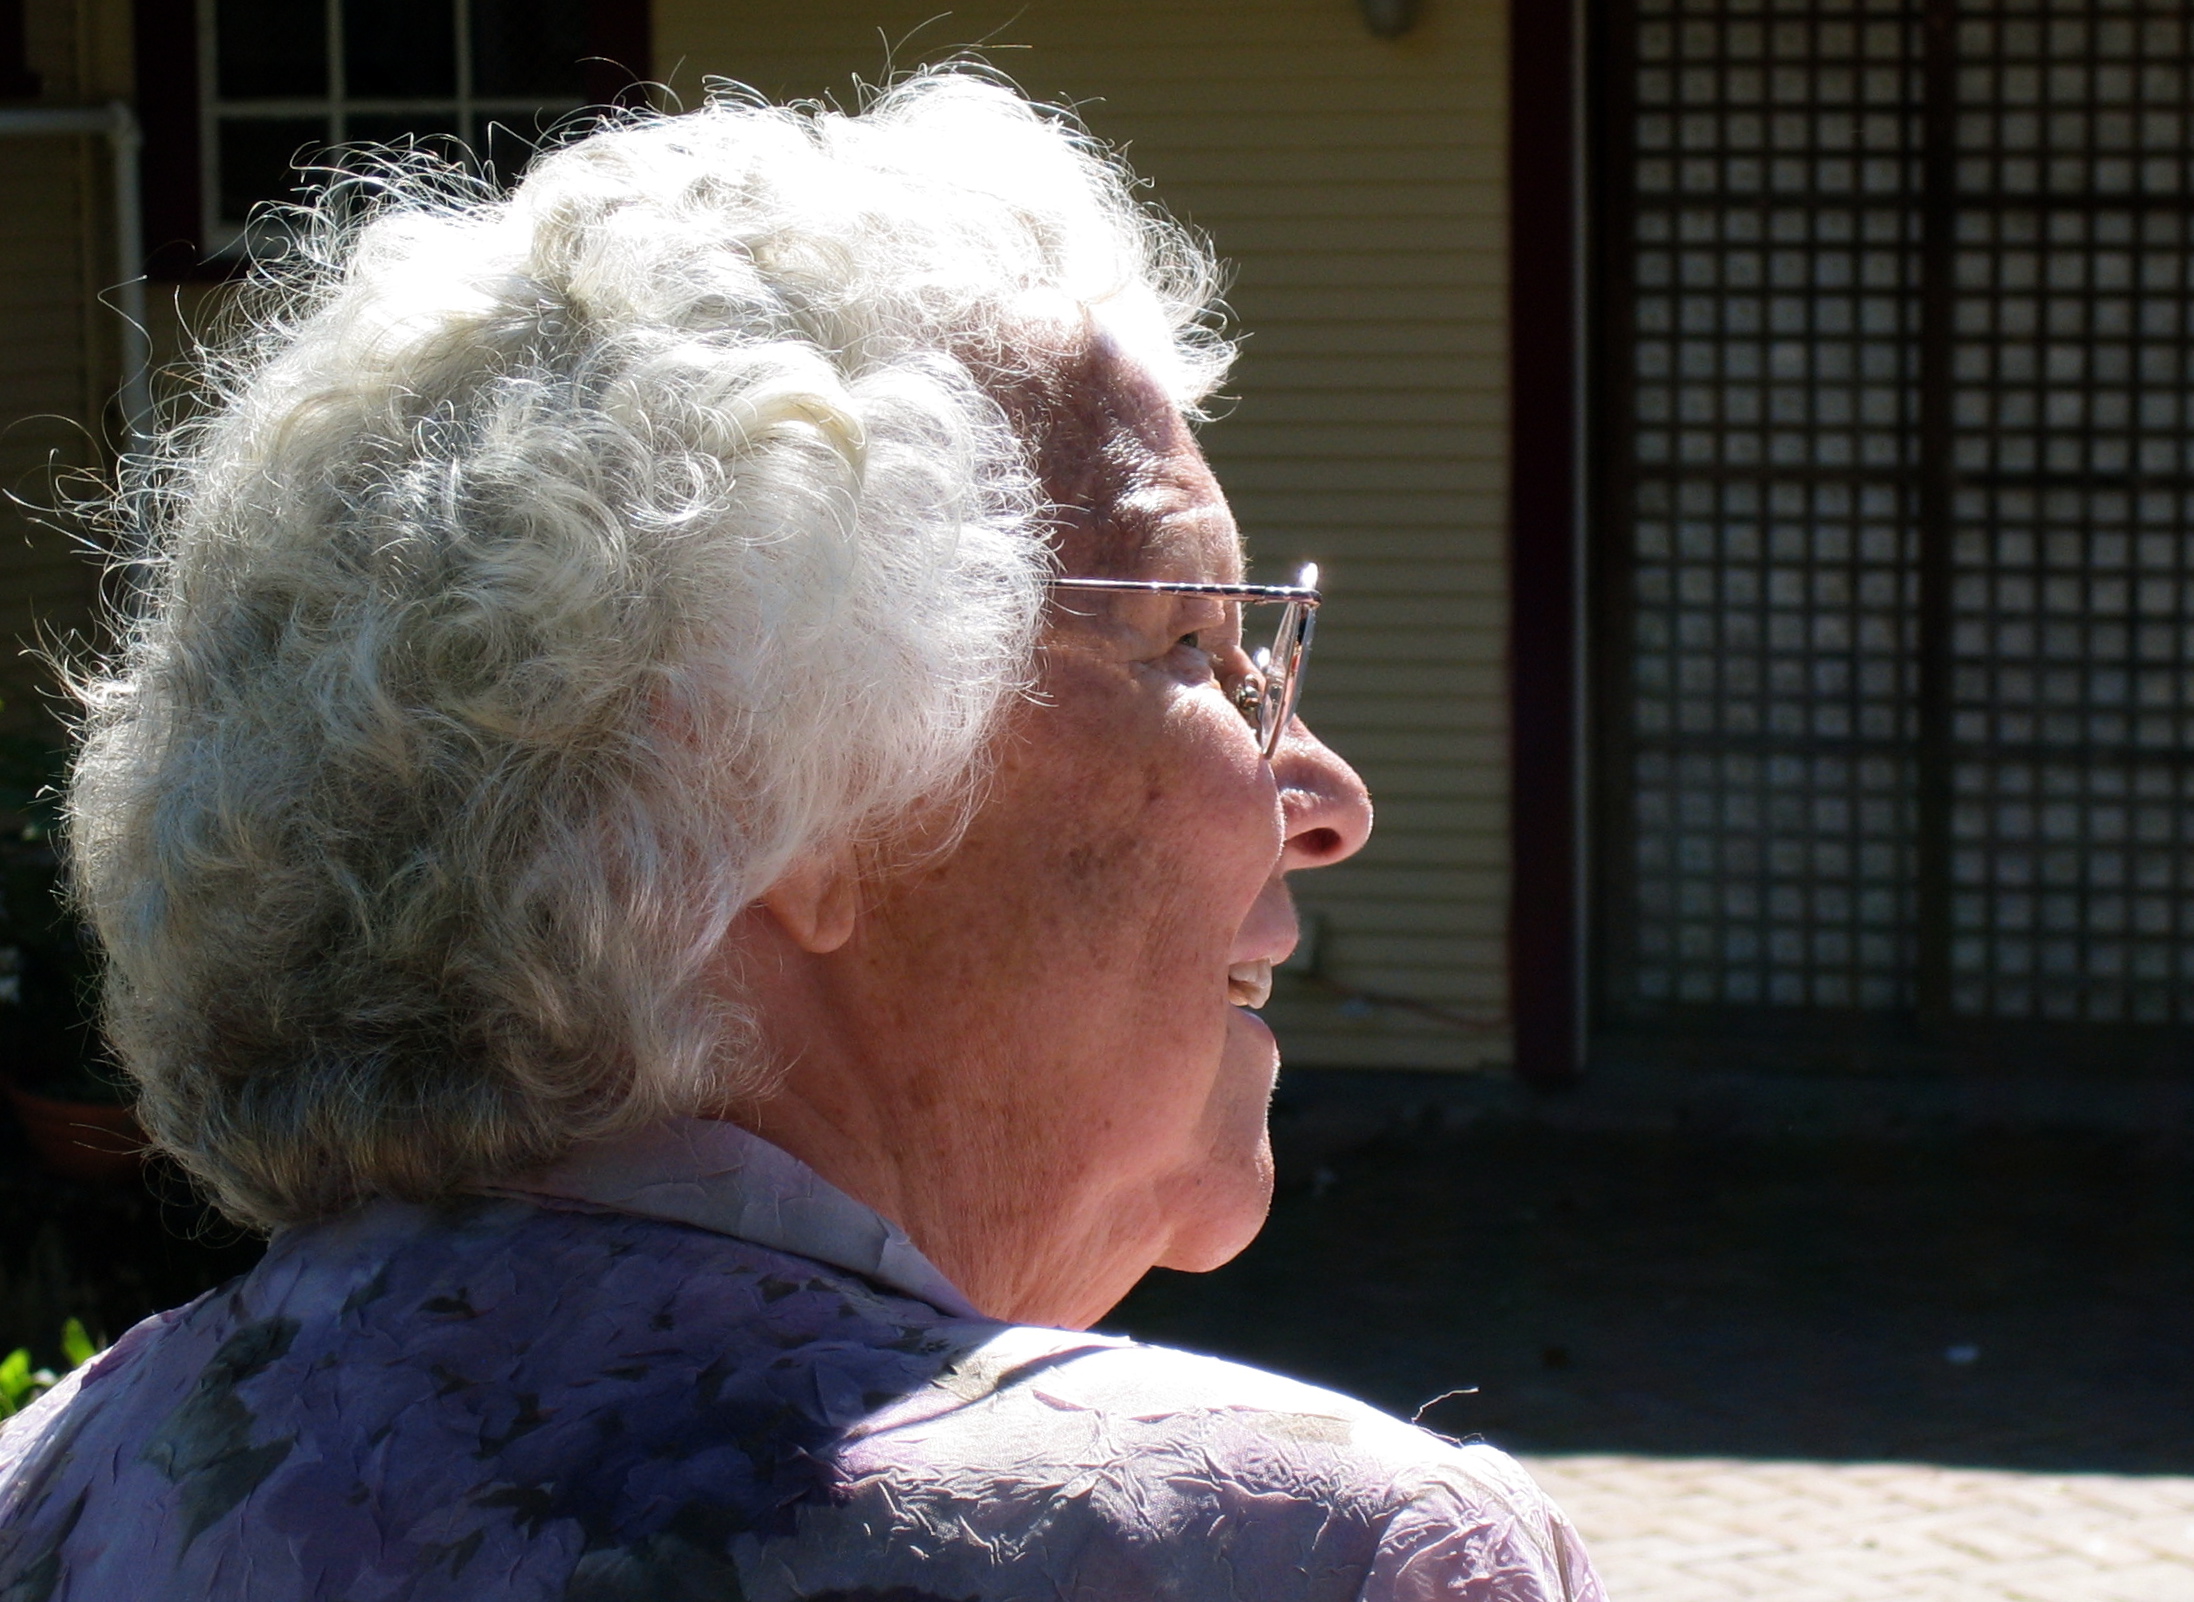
(1249, 984)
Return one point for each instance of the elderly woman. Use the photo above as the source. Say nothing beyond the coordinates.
(692, 819)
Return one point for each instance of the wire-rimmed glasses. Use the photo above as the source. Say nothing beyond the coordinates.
(1268, 682)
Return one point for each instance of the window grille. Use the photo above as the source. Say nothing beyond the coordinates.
(1896, 517)
(289, 84)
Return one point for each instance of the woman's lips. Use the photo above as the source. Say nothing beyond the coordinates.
(1249, 984)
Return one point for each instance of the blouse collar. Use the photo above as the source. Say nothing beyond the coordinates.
(717, 1176)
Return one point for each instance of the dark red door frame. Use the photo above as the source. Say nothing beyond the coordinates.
(1545, 922)
(17, 81)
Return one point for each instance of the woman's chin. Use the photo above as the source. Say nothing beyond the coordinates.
(1230, 1211)
(1221, 1209)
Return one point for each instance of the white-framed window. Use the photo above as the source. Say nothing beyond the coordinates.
(285, 86)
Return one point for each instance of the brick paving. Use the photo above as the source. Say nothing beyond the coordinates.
(1731, 1530)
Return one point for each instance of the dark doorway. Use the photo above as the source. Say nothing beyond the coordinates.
(1894, 528)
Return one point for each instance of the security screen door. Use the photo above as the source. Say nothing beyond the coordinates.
(1894, 564)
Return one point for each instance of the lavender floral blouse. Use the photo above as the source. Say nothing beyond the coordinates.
(681, 1368)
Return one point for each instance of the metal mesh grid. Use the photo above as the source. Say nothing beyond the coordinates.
(1773, 669)
(2073, 532)
(1771, 715)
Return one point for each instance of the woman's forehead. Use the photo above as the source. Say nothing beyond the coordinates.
(1182, 534)
(1131, 493)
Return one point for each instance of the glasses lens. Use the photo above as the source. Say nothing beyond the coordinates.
(1275, 635)
(1283, 668)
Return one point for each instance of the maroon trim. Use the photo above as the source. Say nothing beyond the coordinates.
(17, 81)
(167, 110)
(620, 51)
(1543, 480)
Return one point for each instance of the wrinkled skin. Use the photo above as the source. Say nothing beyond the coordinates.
(1023, 1053)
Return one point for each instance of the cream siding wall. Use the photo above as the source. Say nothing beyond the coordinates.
(43, 396)
(1357, 186)
(57, 373)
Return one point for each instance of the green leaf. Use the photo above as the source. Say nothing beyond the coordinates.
(76, 1345)
(16, 1383)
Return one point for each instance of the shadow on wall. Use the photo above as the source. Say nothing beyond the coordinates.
(1990, 1297)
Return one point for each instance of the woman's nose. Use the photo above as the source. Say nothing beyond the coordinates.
(1327, 808)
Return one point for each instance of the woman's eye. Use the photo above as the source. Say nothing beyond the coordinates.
(1192, 641)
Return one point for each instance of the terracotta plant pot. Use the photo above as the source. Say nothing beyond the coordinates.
(81, 1139)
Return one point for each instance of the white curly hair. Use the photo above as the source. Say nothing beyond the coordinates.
(548, 574)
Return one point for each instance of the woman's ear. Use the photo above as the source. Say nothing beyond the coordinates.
(815, 903)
